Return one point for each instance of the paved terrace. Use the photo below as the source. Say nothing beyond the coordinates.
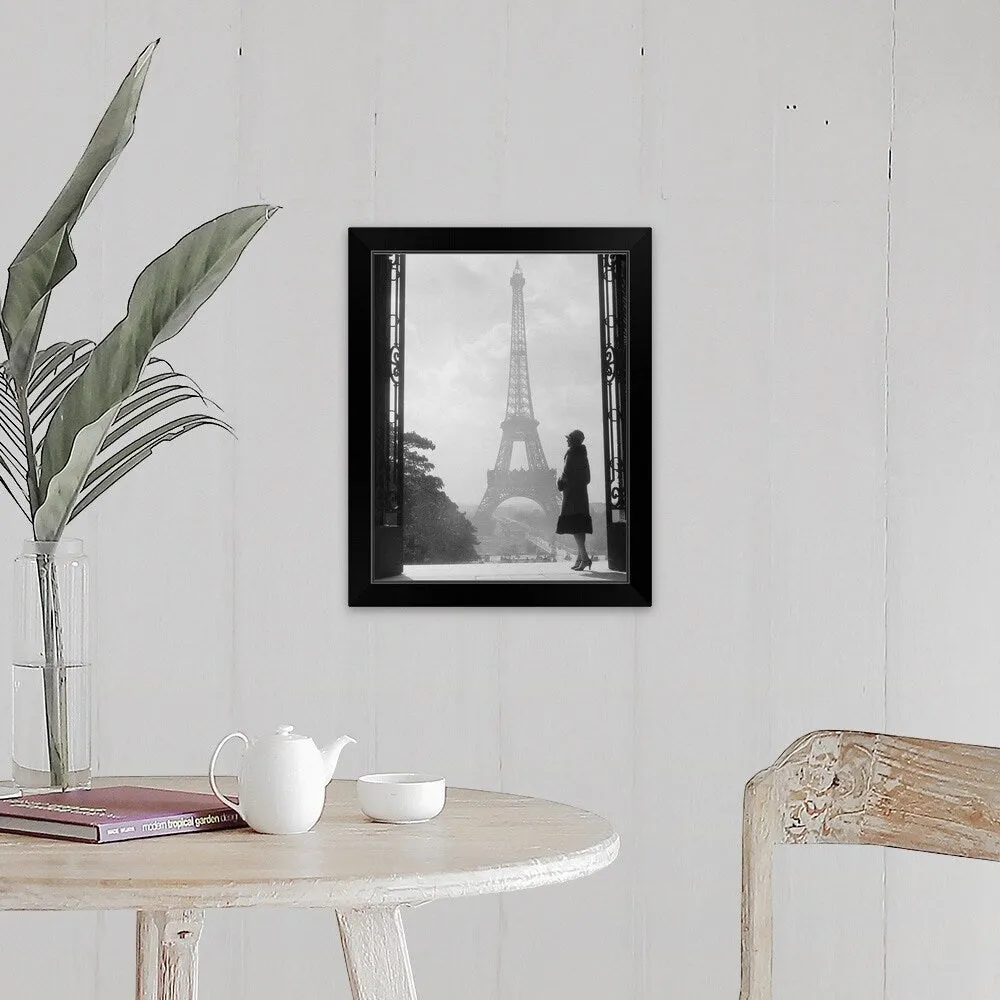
(557, 572)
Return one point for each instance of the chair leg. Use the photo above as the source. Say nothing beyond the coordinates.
(167, 954)
(756, 924)
(378, 965)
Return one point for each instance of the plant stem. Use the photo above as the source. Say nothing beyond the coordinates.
(53, 674)
(54, 670)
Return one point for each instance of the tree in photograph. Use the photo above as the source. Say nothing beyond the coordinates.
(434, 529)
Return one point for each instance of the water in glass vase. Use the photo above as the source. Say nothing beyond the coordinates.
(30, 749)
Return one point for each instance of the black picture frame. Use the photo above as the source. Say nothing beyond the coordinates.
(373, 259)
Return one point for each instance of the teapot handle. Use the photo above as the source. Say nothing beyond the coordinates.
(211, 774)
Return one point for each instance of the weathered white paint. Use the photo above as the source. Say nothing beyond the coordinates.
(378, 964)
(178, 933)
(481, 843)
(944, 535)
(835, 787)
(147, 955)
(825, 545)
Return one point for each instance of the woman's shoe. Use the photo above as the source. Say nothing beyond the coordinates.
(585, 564)
(576, 565)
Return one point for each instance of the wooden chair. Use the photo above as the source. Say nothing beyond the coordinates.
(861, 788)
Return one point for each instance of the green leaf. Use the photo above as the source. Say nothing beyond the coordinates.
(151, 386)
(64, 486)
(150, 406)
(10, 483)
(165, 296)
(10, 417)
(51, 393)
(48, 255)
(13, 464)
(51, 358)
(53, 373)
(136, 452)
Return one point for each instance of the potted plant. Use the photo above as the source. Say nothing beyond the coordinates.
(75, 417)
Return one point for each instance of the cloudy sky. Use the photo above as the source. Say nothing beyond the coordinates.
(457, 352)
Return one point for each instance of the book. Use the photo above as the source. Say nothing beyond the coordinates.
(115, 813)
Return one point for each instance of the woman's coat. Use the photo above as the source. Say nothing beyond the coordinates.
(574, 518)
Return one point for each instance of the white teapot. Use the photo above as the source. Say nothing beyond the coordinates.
(282, 781)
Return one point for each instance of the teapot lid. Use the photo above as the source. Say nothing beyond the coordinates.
(286, 733)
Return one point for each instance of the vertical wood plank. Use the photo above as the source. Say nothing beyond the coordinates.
(52, 76)
(702, 676)
(944, 358)
(282, 952)
(55, 115)
(572, 101)
(944, 457)
(378, 966)
(163, 568)
(437, 153)
(116, 950)
(573, 938)
(47, 951)
(827, 452)
(773, 169)
(307, 147)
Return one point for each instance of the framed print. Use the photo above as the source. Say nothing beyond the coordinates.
(499, 417)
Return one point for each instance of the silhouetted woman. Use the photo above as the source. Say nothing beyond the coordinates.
(574, 519)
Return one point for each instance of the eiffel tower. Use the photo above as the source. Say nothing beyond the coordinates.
(537, 482)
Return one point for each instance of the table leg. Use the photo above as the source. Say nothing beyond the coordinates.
(147, 955)
(167, 954)
(378, 965)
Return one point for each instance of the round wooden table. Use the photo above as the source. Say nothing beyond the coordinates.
(483, 842)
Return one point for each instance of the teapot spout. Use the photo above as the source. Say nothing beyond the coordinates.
(331, 754)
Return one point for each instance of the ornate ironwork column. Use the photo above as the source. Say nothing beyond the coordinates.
(388, 324)
(612, 276)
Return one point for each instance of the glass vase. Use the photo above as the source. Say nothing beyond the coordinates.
(50, 727)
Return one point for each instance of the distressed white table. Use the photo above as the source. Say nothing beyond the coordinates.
(483, 842)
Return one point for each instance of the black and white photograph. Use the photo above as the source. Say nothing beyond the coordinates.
(503, 409)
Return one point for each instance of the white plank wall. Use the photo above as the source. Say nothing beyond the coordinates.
(825, 457)
(944, 447)
(827, 447)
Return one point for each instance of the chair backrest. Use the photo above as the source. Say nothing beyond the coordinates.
(860, 788)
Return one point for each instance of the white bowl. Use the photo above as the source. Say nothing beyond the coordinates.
(401, 798)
